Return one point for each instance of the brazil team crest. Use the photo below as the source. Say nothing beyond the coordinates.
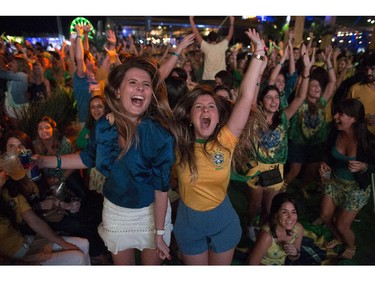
(218, 158)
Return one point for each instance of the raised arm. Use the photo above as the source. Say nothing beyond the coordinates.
(241, 110)
(276, 70)
(231, 29)
(79, 53)
(198, 37)
(302, 90)
(331, 86)
(166, 68)
(85, 41)
(260, 79)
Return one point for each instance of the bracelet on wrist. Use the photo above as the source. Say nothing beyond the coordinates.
(258, 57)
(58, 164)
(329, 68)
(175, 54)
(160, 232)
(280, 63)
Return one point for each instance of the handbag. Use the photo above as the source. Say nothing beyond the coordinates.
(270, 177)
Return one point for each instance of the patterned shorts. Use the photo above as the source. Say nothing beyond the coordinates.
(347, 194)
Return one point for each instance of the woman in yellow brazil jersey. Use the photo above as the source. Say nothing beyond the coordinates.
(207, 228)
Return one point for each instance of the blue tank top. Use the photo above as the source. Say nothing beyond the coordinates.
(340, 166)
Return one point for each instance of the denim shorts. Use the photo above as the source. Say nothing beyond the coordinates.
(217, 230)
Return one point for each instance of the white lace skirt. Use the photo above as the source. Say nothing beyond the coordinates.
(124, 228)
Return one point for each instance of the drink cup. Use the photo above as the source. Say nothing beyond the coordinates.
(32, 169)
(11, 163)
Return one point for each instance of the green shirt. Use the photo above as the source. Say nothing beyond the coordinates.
(307, 127)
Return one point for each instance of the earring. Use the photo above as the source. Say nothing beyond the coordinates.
(118, 97)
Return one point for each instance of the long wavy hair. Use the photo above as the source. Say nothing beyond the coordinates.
(185, 138)
(57, 137)
(158, 110)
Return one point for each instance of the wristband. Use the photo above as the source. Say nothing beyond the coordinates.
(58, 165)
(280, 63)
(175, 54)
(160, 232)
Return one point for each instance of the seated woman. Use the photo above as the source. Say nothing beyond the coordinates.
(281, 237)
(46, 249)
(62, 215)
(49, 141)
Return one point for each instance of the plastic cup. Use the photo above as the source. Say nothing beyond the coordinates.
(11, 163)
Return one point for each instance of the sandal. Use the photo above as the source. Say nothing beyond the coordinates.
(332, 244)
(348, 254)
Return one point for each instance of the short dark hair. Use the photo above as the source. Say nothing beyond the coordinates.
(212, 36)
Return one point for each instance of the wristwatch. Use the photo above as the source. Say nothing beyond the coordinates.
(160, 232)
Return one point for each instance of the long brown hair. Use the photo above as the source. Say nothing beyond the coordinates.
(158, 109)
(56, 136)
(186, 138)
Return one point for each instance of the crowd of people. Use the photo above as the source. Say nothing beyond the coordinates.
(163, 131)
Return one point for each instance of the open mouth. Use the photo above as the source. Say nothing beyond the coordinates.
(205, 122)
(137, 100)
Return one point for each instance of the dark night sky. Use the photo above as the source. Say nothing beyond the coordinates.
(18, 25)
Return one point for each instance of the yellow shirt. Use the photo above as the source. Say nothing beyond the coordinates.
(210, 188)
(11, 240)
(367, 96)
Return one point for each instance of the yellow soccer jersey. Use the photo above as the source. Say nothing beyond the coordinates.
(210, 188)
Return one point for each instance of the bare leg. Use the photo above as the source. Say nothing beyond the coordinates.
(294, 169)
(268, 195)
(254, 197)
(327, 213)
(125, 257)
(344, 220)
(150, 257)
(200, 259)
(224, 258)
(310, 174)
